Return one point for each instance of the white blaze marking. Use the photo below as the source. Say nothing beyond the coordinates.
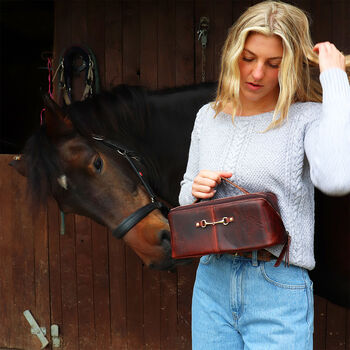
(62, 180)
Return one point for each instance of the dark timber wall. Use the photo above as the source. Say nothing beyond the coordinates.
(91, 285)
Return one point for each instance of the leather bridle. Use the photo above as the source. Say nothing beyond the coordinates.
(127, 224)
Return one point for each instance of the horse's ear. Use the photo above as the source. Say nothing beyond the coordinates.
(19, 164)
(57, 123)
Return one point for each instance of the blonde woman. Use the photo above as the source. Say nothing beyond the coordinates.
(273, 127)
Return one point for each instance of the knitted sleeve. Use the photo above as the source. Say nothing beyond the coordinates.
(192, 169)
(327, 140)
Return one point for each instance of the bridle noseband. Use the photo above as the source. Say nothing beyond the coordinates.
(134, 218)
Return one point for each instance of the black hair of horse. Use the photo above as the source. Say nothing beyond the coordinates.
(155, 124)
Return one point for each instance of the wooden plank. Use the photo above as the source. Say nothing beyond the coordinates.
(69, 286)
(62, 260)
(69, 314)
(6, 220)
(169, 333)
(305, 5)
(204, 68)
(101, 302)
(22, 262)
(148, 78)
(96, 35)
(85, 296)
(41, 265)
(62, 35)
(148, 43)
(347, 327)
(16, 260)
(336, 327)
(167, 78)
(134, 301)
(321, 26)
(222, 21)
(131, 43)
(151, 309)
(113, 43)
(184, 43)
(79, 38)
(320, 323)
(185, 75)
(166, 43)
(186, 277)
(238, 7)
(116, 248)
(134, 282)
(79, 22)
(340, 18)
(53, 222)
(86, 26)
(118, 296)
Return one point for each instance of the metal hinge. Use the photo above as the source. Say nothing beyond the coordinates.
(56, 341)
(40, 332)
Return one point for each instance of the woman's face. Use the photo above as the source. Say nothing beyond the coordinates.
(259, 67)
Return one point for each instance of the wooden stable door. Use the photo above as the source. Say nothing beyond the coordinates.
(89, 284)
(84, 281)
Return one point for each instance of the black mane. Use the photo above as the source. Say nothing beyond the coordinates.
(120, 114)
(124, 114)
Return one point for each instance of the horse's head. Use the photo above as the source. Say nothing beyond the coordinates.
(89, 179)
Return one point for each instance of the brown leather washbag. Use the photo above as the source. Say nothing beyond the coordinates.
(241, 223)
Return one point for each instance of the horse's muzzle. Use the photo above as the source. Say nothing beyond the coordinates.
(167, 263)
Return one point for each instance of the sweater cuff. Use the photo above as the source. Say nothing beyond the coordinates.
(335, 85)
(186, 200)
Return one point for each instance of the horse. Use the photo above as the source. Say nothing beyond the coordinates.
(123, 153)
(90, 178)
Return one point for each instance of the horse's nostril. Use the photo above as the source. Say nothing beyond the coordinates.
(164, 235)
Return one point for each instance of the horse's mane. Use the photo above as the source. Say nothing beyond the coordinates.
(120, 114)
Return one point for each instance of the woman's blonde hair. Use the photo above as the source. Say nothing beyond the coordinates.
(298, 75)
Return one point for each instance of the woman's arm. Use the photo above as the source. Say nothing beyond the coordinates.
(198, 183)
(327, 141)
(186, 196)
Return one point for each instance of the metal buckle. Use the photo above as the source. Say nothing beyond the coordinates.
(225, 221)
(97, 137)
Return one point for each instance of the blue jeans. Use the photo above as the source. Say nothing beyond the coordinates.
(241, 303)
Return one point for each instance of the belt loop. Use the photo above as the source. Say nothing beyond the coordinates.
(255, 258)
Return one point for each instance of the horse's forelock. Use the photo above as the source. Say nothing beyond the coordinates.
(42, 165)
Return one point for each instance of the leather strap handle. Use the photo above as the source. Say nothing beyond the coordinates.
(230, 183)
(233, 184)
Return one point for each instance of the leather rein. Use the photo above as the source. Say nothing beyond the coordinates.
(127, 224)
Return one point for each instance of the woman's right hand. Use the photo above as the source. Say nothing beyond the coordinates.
(329, 56)
(204, 183)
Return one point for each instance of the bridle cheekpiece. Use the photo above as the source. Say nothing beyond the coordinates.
(127, 224)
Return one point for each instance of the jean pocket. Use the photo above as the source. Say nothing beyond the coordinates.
(292, 277)
(205, 259)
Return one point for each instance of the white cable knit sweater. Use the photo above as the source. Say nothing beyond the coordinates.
(312, 148)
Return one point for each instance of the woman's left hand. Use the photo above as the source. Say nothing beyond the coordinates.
(329, 56)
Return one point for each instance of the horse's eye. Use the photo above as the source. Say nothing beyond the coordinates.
(98, 164)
